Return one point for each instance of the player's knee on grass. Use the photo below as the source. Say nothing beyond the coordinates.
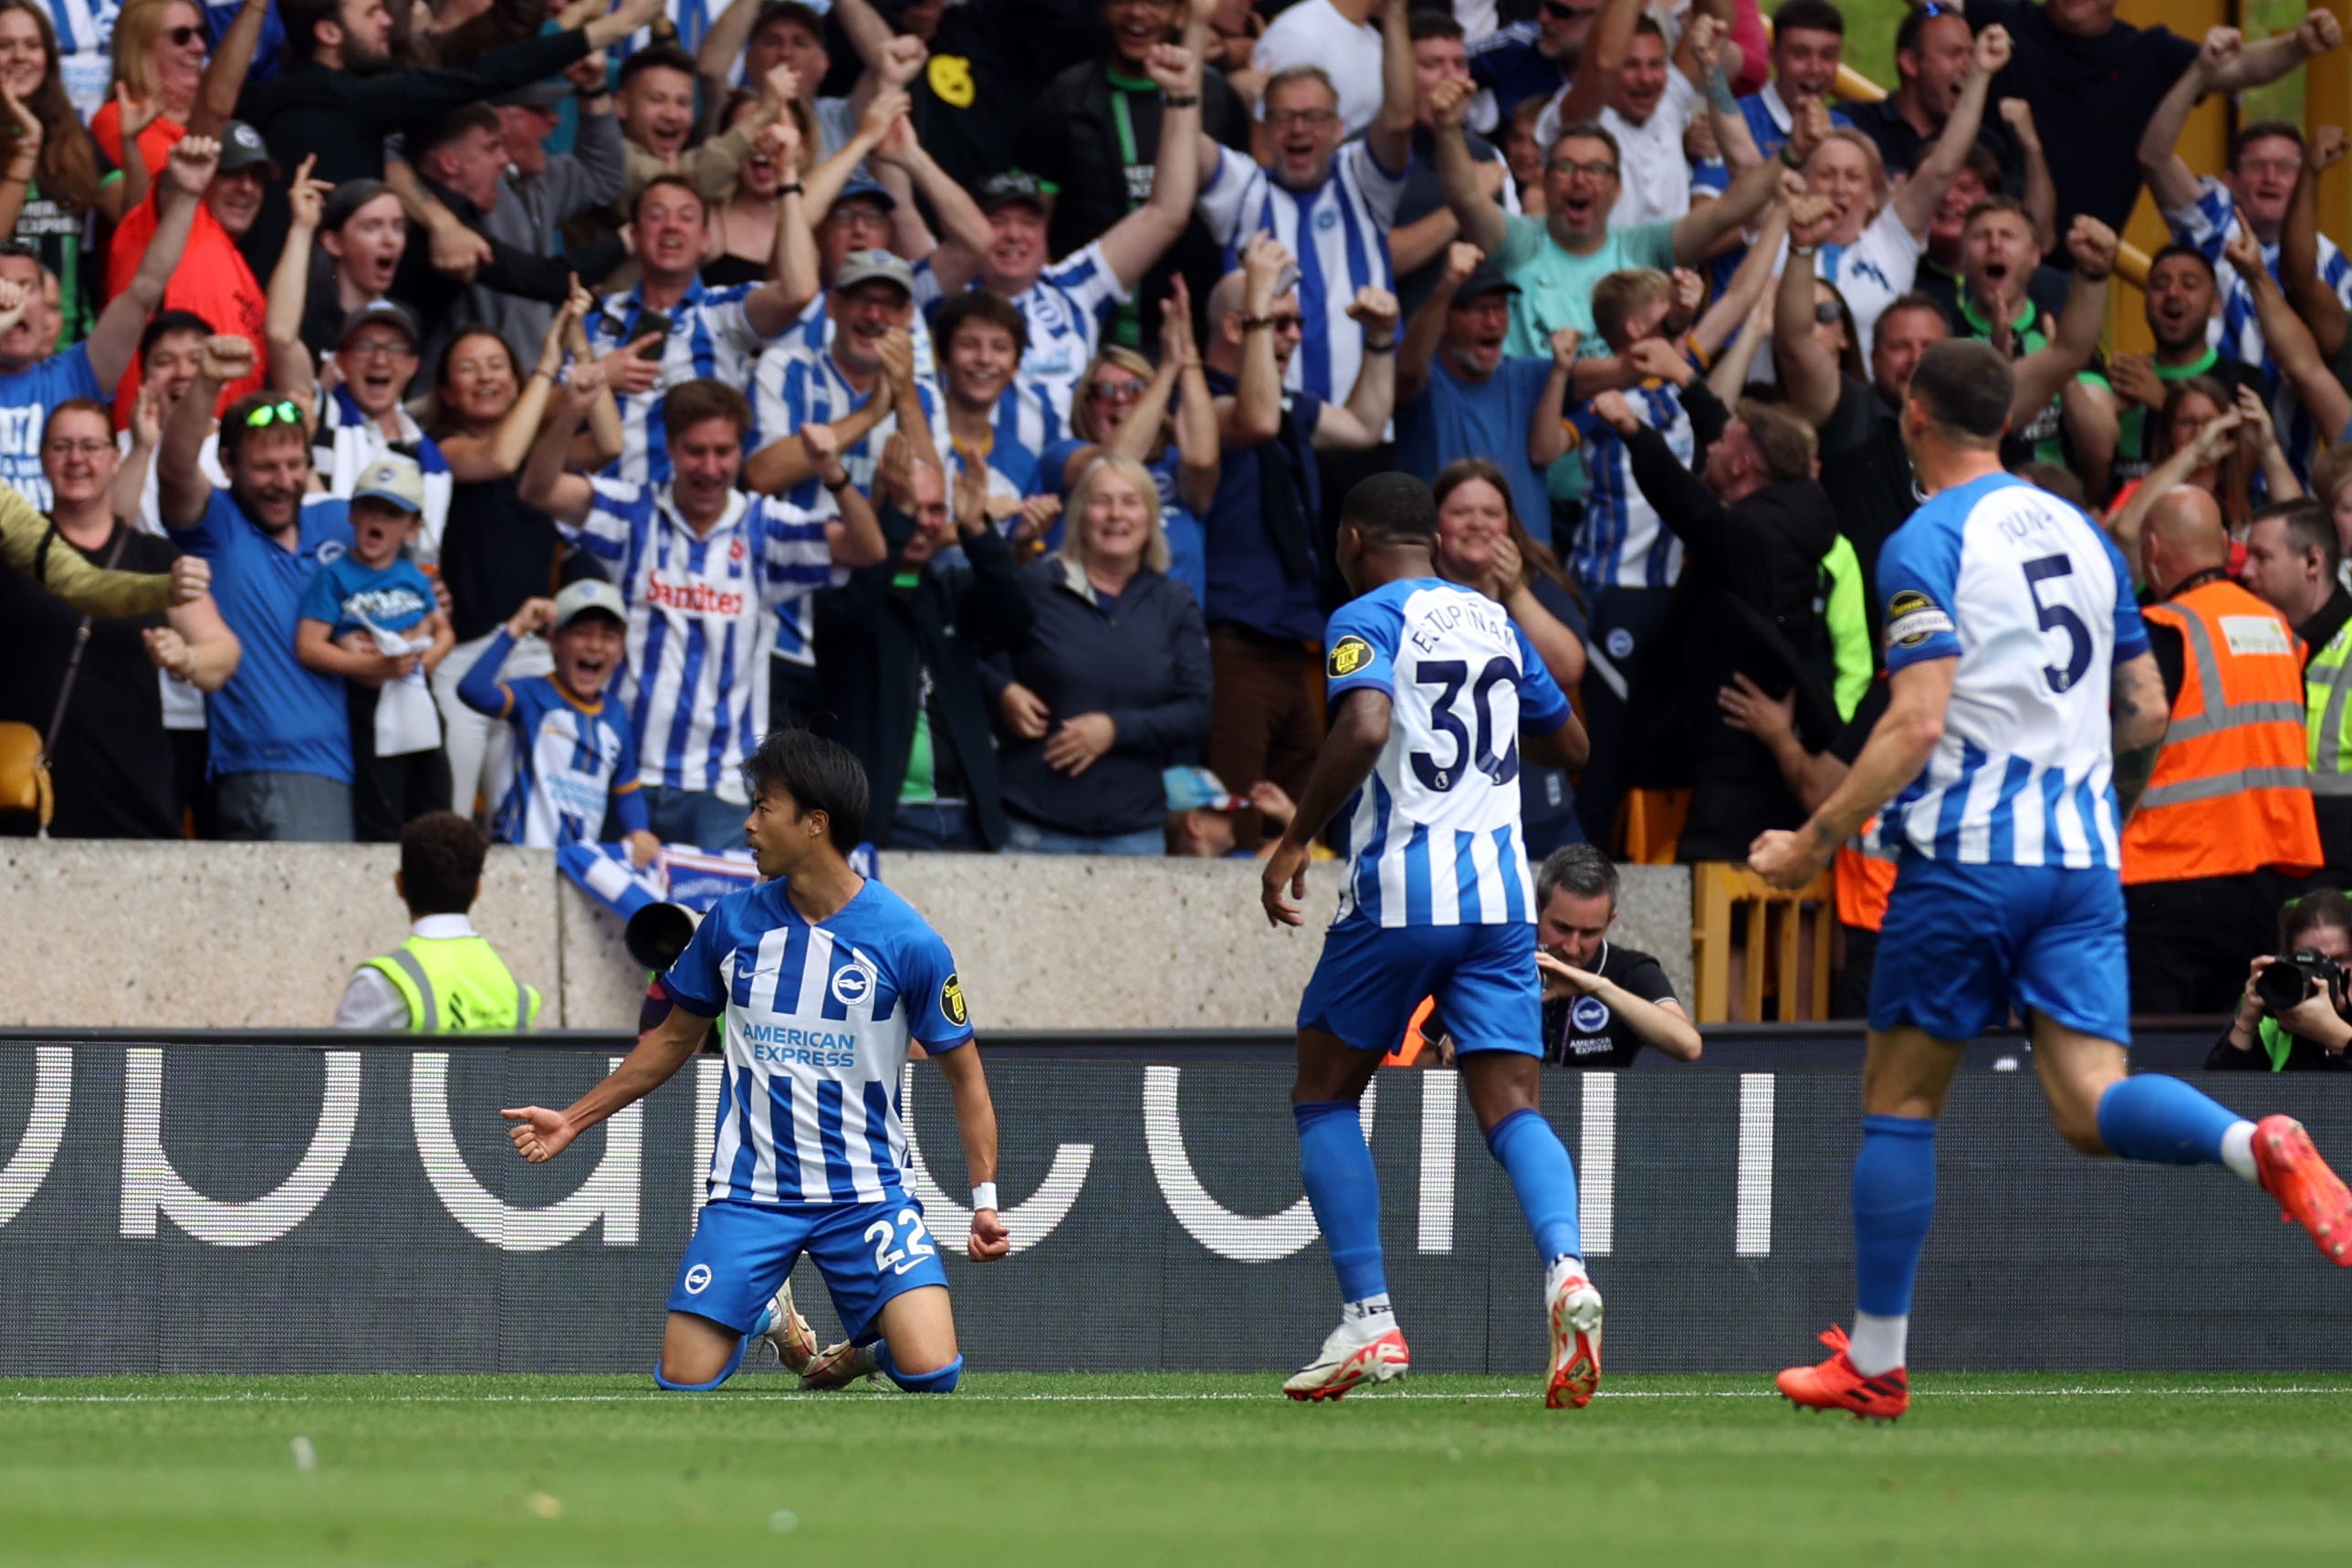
(698, 1354)
(920, 1378)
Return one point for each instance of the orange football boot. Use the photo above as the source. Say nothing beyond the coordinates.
(1834, 1384)
(2308, 1192)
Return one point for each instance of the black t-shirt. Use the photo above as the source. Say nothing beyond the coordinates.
(1868, 477)
(112, 767)
(1900, 144)
(988, 61)
(495, 553)
(1585, 1031)
(2091, 100)
(1547, 795)
(1423, 195)
(1850, 740)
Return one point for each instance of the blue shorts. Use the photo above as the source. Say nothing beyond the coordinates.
(1371, 977)
(1962, 945)
(741, 1252)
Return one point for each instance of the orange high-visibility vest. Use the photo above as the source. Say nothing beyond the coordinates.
(2230, 793)
(1864, 879)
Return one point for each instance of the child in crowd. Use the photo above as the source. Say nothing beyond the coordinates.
(575, 754)
(370, 616)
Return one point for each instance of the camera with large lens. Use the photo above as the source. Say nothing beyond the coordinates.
(2290, 976)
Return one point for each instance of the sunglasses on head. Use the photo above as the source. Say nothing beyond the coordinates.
(271, 413)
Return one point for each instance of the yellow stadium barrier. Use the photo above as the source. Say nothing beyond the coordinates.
(1782, 946)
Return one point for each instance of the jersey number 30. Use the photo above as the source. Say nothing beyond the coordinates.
(914, 1243)
(2059, 618)
(1450, 676)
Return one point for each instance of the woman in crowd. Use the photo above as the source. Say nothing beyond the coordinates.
(497, 552)
(159, 64)
(2207, 438)
(52, 179)
(743, 237)
(1112, 685)
(1163, 419)
(1482, 544)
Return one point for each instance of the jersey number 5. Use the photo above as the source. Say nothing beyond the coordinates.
(2059, 618)
(1450, 676)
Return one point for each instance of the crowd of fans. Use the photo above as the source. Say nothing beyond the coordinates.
(978, 383)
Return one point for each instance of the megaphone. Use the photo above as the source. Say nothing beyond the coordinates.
(656, 933)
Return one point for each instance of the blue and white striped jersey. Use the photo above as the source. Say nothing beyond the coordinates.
(709, 336)
(695, 685)
(802, 385)
(814, 327)
(1066, 309)
(1340, 233)
(818, 1020)
(348, 441)
(569, 762)
(1622, 544)
(2235, 330)
(1025, 423)
(1434, 835)
(2035, 602)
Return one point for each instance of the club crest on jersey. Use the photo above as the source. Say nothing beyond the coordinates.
(1589, 1015)
(852, 984)
(951, 1001)
(1348, 655)
(698, 1280)
(735, 549)
(1912, 619)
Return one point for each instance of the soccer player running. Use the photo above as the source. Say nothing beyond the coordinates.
(825, 977)
(2024, 717)
(1433, 690)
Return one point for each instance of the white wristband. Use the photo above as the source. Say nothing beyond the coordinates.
(984, 1196)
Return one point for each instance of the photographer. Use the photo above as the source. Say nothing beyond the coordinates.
(2305, 1035)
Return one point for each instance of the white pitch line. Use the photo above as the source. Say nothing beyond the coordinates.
(653, 1397)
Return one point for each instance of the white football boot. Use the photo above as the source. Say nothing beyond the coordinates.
(789, 1332)
(1575, 1313)
(838, 1366)
(1367, 1348)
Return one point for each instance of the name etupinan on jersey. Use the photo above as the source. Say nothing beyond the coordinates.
(1450, 612)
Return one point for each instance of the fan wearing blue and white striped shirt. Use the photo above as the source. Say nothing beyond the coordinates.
(1331, 204)
(691, 330)
(2024, 717)
(826, 980)
(993, 418)
(1066, 302)
(702, 566)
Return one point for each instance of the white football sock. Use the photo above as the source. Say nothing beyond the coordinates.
(1879, 1343)
(1365, 1307)
(2238, 1150)
(1560, 1268)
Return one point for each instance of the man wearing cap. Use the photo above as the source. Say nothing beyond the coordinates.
(1460, 395)
(1068, 303)
(685, 329)
(861, 386)
(34, 377)
(445, 979)
(213, 278)
(541, 191)
(1201, 817)
(280, 737)
(369, 619)
(363, 419)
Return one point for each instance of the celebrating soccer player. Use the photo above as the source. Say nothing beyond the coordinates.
(1430, 687)
(824, 977)
(2023, 723)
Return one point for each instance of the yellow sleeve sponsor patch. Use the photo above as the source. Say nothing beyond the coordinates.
(1348, 655)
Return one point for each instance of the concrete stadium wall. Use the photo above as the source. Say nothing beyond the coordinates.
(188, 936)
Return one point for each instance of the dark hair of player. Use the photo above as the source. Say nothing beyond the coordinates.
(1392, 510)
(820, 775)
(1966, 386)
(441, 863)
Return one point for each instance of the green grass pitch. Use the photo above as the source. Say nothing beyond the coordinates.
(1125, 1471)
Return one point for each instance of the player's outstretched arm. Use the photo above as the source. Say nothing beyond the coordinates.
(1566, 747)
(1899, 746)
(2139, 715)
(975, 1116)
(1359, 728)
(541, 1134)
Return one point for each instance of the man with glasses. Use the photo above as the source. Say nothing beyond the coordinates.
(1330, 205)
(281, 736)
(34, 377)
(363, 420)
(1340, 37)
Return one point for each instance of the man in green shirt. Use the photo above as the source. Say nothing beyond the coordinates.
(2181, 297)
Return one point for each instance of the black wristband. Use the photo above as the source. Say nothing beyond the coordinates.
(794, 189)
(1186, 100)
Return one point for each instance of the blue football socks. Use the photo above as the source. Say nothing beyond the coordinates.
(1344, 1192)
(1544, 1177)
(1894, 1199)
(2164, 1122)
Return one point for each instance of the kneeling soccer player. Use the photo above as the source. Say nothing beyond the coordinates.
(1433, 690)
(825, 977)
